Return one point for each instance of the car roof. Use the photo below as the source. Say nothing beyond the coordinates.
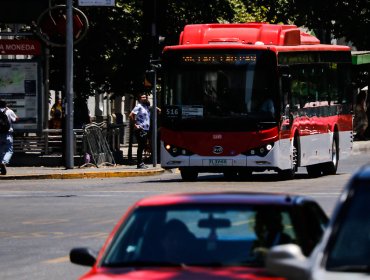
(249, 198)
(363, 173)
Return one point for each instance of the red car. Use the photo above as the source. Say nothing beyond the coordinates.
(203, 236)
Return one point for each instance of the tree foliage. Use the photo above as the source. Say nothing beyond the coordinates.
(115, 53)
(352, 21)
(108, 58)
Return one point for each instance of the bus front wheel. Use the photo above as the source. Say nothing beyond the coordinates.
(230, 175)
(245, 174)
(288, 174)
(188, 174)
(330, 168)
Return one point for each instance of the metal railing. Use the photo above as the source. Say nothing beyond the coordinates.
(96, 145)
(50, 141)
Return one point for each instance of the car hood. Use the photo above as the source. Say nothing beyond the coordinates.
(329, 275)
(183, 273)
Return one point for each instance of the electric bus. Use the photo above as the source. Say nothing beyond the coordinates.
(243, 98)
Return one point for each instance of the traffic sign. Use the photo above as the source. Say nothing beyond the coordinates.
(52, 25)
(96, 2)
(26, 47)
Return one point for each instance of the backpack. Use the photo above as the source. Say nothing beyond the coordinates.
(4, 122)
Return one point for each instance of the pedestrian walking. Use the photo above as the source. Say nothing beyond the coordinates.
(360, 121)
(367, 131)
(81, 113)
(140, 115)
(7, 118)
(56, 114)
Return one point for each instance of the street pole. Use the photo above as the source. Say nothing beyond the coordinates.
(47, 89)
(154, 130)
(69, 86)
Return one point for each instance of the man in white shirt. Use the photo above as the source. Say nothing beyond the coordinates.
(140, 115)
(6, 138)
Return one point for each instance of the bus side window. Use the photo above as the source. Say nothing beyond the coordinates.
(296, 94)
(299, 87)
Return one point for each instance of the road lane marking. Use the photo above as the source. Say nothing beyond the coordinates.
(52, 235)
(57, 260)
(45, 221)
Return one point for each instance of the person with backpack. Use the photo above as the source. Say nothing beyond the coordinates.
(7, 117)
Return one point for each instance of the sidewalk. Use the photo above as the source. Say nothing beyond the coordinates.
(43, 172)
(48, 170)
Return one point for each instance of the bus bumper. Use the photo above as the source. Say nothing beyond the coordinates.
(273, 160)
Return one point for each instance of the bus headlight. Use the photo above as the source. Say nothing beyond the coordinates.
(176, 151)
(260, 151)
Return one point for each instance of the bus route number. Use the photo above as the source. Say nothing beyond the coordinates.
(173, 112)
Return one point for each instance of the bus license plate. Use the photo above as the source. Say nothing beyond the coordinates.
(219, 162)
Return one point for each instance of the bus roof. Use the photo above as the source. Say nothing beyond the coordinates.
(246, 33)
(275, 37)
(276, 49)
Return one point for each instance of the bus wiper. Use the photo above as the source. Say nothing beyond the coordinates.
(351, 268)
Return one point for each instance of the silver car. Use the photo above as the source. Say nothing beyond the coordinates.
(344, 251)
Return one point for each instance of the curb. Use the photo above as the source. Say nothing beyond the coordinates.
(360, 147)
(84, 175)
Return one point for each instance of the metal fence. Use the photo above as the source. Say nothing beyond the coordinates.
(96, 145)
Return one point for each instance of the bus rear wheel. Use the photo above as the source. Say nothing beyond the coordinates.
(188, 174)
(314, 171)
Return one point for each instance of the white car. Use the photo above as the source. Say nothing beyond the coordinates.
(344, 251)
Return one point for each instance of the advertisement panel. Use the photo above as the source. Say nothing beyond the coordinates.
(20, 87)
(26, 47)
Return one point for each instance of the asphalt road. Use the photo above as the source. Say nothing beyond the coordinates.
(41, 220)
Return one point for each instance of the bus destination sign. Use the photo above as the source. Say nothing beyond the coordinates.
(219, 58)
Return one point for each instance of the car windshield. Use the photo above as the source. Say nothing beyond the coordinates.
(199, 235)
(350, 247)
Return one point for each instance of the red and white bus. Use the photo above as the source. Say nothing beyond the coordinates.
(241, 98)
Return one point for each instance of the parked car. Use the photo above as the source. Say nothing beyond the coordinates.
(344, 251)
(203, 236)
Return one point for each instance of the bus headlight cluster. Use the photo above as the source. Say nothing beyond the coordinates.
(176, 151)
(260, 151)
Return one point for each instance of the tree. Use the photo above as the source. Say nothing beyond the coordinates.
(348, 19)
(116, 52)
(352, 21)
(110, 56)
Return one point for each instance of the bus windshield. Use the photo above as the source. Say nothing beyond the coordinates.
(221, 85)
